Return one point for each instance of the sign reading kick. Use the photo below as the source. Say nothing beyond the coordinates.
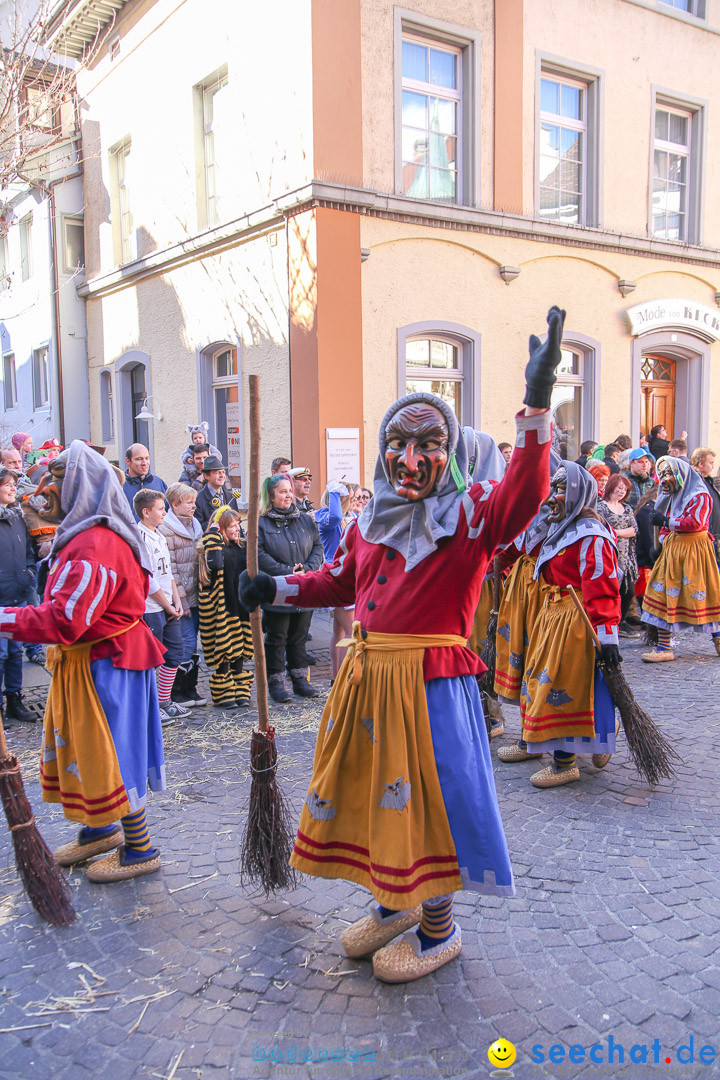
(677, 315)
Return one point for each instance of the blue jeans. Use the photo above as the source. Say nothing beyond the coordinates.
(10, 665)
(189, 629)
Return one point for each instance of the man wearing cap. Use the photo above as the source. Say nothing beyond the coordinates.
(639, 475)
(302, 479)
(215, 493)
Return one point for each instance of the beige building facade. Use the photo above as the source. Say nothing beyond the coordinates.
(353, 198)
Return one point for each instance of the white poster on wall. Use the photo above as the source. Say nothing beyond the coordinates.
(343, 454)
(234, 451)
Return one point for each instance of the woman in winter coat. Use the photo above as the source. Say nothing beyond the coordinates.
(224, 622)
(182, 532)
(335, 514)
(615, 511)
(288, 543)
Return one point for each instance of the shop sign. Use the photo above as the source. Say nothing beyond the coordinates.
(675, 315)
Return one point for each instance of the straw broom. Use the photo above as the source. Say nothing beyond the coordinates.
(649, 749)
(42, 879)
(268, 838)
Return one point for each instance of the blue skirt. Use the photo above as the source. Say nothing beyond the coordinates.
(130, 703)
(464, 767)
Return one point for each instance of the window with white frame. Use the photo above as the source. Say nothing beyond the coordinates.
(692, 7)
(215, 145)
(563, 150)
(435, 365)
(9, 381)
(672, 166)
(432, 74)
(224, 392)
(26, 247)
(73, 244)
(41, 377)
(123, 237)
(567, 402)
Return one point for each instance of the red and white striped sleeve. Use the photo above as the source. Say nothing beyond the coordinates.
(601, 587)
(696, 515)
(77, 595)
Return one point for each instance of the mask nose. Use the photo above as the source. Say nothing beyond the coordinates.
(410, 456)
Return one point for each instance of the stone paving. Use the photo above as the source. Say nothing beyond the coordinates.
(611, 942)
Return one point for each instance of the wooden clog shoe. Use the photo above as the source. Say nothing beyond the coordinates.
(405, 960)
(372, 931)
(116, 868)
(78, 852)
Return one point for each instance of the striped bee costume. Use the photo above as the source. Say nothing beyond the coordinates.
(224, 625)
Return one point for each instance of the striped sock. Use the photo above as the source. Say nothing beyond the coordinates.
(89, 833)
(136, 832)
(563, 760)
(664, 640)
(165, 680)
(436, 922)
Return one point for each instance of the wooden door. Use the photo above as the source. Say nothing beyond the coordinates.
(658, 394)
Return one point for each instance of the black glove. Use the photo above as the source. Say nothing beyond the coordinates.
(256, 590)
(659, 518)
(544, 358)
(610, 656)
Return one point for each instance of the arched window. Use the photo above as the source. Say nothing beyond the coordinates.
(574, 396)
(132, 386)
(218, 401)
(443, 359)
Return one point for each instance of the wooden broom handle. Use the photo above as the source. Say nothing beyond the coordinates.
(3, 743)
(252, 552)
(584, 616)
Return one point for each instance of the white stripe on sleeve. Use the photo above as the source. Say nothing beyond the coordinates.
(79, 590)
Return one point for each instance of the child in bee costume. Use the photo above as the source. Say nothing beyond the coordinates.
(684, 586)
(565, 704)
(402, 798)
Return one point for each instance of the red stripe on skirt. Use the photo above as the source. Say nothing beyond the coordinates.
(388, 886)
(392, 870)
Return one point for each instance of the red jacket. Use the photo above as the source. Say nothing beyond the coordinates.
(440, 594)
(95, 588)
(590, 566)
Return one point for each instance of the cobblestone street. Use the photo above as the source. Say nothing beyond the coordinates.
(611, 942)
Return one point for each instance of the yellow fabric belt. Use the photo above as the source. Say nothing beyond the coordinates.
(363, 640)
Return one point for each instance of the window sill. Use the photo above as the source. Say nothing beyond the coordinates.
(672, 13)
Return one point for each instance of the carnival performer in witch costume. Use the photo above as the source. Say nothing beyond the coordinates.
(402, 798)
(565, 705)
(684, 585)
(520, 605)
(102, 739)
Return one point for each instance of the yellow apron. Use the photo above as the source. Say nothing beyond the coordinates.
(374, 812)
(684, 584)
(520, 606)
(478, 634)
(558, 693)
(79, 766)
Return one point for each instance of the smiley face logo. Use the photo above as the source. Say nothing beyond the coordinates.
(502, 1053)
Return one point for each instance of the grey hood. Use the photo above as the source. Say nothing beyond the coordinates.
(582, 493)
(92, 495)
(415, 529)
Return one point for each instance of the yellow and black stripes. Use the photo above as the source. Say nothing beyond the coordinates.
(226, 640)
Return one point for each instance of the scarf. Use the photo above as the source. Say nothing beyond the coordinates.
(690, 485)
(281, 514)
(415, 529)
(582, 493)
(91, 495)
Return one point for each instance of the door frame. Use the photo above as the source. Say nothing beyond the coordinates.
(692, 381)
